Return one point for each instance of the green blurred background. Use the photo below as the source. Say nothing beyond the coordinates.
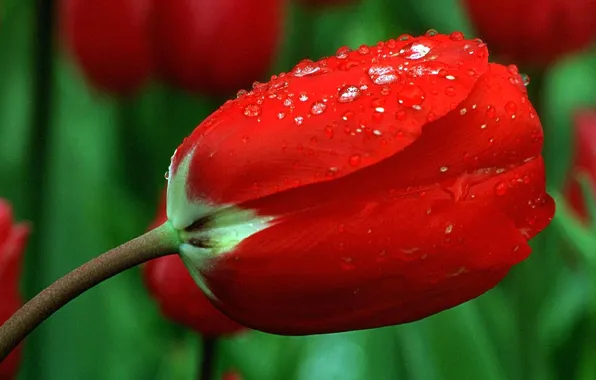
(87, 169)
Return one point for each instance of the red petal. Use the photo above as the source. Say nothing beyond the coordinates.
(585, 158)
(347, 266)
(182, 301)
(297, 129)
(179, 297)
(12, 245)
(490, 151)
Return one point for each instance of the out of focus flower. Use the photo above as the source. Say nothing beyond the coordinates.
(231, 375)
(110, 40)
(12, 245)
(180, 299)
(534, 31)
(325, 3)
(585, 159)
(375, 187)
(216, 46)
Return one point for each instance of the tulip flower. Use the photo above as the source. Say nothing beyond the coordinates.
(216, 46)
(110, 40)
(180, 299)
(585, 159)
(534, 31)
(374, 187)
(12, 244)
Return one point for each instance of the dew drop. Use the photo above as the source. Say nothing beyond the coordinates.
(443, 169)
(512, 69)
(448, 229)
(252, 110)
(363, 49)
(491, 112)
(501, 188)
(167, 175)
(404, 37)
(288, 102)
(306, 68)
(416, 51)
(431, 33)
(400, 115)
(410, 95)
(281, 115)
(450, 91)
(355, 160)
(329, 132)
(348, 94)
(456, 36)
(298, 120)
(348, 115)
(382, 74)
(510, 108)
(318, 108)
(241, 93)
(342, 52)
(245, 139)
(303, 97)
(525, 79)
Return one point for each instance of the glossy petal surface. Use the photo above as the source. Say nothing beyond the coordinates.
(180, 299)
(328, 119)
(12, 244)
(216, 46)
(110, 40)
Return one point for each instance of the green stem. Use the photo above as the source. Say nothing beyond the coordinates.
(161, 241)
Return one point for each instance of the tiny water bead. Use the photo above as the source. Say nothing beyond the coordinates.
(456, 36)
(410, 95)
(382, 74)
(355, 160)
(252, 110)
(318, 108)
(342, 52)
(306, 68)
(348, 94)
(501, 188)
(510, 108)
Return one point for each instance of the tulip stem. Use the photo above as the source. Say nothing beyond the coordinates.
(208, 358)
(161, 241)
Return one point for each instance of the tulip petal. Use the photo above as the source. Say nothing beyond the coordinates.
(328, 119)
(367, 264)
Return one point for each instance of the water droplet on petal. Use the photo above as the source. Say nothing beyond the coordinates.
(348, 94)
(491, 112)
(318, 108)
(450, 91)
(306, 68)
(456, 36)
(410, 95)
(252, 110)
(303, 97)
(167, 175)
(443, 169)
(448, 229)
(382, 74)
(363, 49)
(431, 33)
(416, 51)
(404, 37)
(355, 160)
(342, 52)
(510, 108)
(298, 120)
(512, 69)
(241, 93)
(525, 79)
(501, 188)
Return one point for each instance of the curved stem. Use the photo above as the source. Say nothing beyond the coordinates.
(161, 241)
(208, 358)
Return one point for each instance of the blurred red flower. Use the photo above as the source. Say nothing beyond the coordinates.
(534, 31)
(585, 159)
(12, 245)
(178, 296)
(375, 187)
(231, 375)
(110, 40)
(203, 46)
(216, 46)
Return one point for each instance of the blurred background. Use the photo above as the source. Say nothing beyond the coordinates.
(95, 95)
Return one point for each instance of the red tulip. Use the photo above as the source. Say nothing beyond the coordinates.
(216, 46)
(12, 244)
(179, 298)
(534, 31)
(110, 40)
(231, 375)
(372, 188)
(324, 3)
(585, 159)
